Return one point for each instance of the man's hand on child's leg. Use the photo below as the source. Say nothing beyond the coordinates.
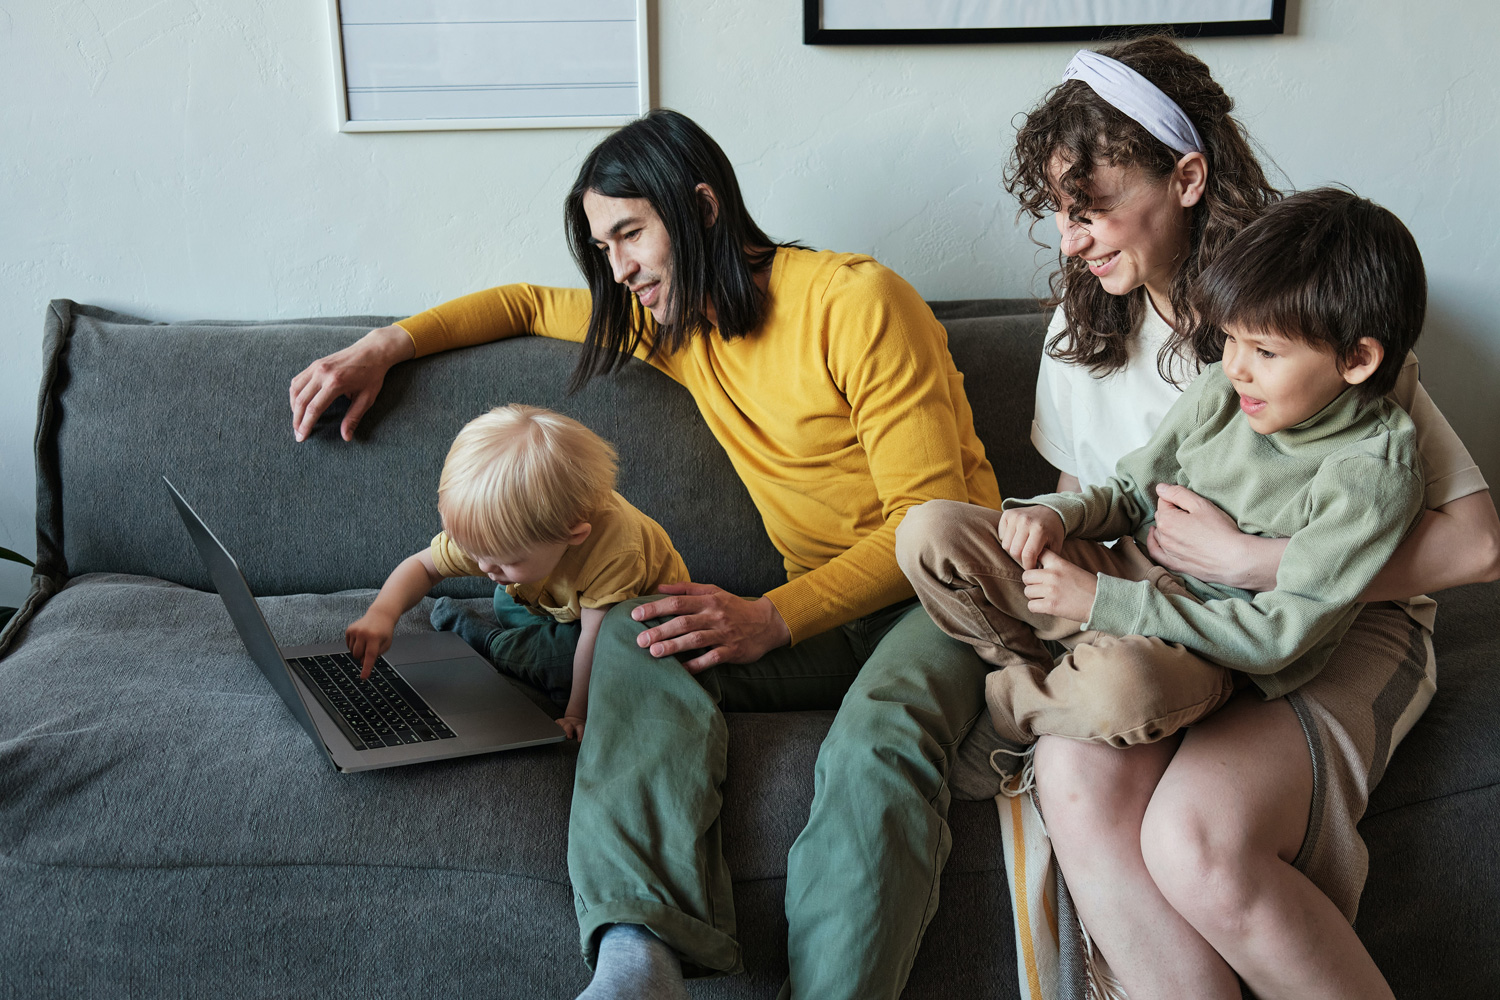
(711, 623)
(1060, 588)
(1027, 532)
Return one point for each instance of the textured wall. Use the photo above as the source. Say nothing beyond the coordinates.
(178, 159)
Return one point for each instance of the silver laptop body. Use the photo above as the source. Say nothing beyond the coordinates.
(483, 711)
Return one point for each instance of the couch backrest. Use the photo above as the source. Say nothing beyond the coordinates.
(125, 401)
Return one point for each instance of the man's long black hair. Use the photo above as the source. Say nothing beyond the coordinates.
(663, 157)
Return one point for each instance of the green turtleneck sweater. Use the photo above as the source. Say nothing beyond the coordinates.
(1345, 486)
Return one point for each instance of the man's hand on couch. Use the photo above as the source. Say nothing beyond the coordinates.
(358, 371)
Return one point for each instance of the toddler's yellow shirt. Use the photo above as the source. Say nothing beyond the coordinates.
(627, 554)
(840, 412)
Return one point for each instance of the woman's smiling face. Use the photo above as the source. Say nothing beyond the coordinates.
(1135, 229)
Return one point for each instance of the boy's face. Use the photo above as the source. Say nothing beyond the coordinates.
(1281, 381)
(532, 564)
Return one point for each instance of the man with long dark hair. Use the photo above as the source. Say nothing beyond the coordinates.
(828, 381)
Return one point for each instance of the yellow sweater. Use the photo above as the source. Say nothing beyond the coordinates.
(840, 412)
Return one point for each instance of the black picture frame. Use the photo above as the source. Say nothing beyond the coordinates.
(813, 32)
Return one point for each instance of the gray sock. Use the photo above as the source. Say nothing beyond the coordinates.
(472, 627)
(635, 964)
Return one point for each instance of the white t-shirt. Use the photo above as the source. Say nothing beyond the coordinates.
(1083, 425)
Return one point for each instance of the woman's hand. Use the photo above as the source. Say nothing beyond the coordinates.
(729, 628)
(1195, 537)
(358, 371)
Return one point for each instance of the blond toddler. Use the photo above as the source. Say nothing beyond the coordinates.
(527, 499)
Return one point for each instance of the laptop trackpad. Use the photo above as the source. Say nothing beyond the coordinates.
(469, 691)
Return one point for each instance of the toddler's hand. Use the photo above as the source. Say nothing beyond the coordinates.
(368, 638)
(573, 726)
(1027, 532)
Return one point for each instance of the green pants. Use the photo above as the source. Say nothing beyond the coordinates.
(534, 649)
(862, 878)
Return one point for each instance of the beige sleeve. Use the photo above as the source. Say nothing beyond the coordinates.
(1447, 467)
(451, 560)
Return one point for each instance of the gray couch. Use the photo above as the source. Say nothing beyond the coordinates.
(168, 830)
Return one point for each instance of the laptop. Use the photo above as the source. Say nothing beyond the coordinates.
(430, 697)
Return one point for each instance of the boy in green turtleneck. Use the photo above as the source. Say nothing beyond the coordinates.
(1312, 309)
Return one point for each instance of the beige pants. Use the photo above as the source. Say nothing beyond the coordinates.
(1120, 690)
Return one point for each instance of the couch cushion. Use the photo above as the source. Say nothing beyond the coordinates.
(206, 405)
(160, 810)
(999, 356)
(125, 400)
(144, 710)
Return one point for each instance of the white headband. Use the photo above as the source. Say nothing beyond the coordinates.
(1137, 98)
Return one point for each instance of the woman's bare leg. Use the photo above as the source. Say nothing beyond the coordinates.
(1094, 798)
(1220, 835)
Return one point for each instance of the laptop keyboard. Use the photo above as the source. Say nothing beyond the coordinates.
(380, 711)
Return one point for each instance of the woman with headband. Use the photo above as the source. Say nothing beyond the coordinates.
(1231, 848)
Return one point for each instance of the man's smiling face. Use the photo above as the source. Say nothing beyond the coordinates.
(630, 233)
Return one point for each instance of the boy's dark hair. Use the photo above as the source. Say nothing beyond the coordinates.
(663, 157)
(1074, 124)
(1325, 267)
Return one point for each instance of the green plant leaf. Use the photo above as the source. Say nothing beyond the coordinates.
(15, 557)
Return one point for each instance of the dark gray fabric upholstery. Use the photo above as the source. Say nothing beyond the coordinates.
(206, 405)
(166, 829)
(153, 767)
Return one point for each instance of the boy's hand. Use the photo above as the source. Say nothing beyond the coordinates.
(368, 638)
(573, 726)
(1061, 589)
(1027, 532)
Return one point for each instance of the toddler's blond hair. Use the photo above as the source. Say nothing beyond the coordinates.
(520, 476)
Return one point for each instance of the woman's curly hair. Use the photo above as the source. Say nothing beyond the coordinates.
(1076, 128)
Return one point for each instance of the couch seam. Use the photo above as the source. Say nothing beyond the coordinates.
(1431, 798)
(11, 860)
(189, 866)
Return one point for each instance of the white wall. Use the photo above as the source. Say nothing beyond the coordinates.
(178, 159)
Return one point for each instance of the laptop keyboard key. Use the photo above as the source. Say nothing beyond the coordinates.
(383, 711)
